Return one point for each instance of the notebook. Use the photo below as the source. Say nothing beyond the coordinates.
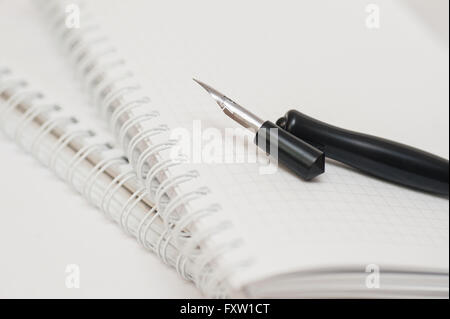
(238, 226)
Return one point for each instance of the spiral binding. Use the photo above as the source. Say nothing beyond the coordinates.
(97, 171)
(114, 91)
(49, 141)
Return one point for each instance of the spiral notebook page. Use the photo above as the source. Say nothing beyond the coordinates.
(344, 219)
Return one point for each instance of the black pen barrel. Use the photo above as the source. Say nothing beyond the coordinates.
(377, 156)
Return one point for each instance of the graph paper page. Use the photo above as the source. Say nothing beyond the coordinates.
(322, 58)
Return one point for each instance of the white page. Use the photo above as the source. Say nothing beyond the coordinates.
(319, 57)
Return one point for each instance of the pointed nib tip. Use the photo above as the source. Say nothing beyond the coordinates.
(203, 85)
(216, 95)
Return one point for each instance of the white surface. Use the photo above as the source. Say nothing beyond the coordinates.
(317, 56)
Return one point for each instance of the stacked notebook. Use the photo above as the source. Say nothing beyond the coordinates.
(220, 214)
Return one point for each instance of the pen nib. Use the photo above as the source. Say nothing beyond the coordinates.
(216, 95)
(232, 109)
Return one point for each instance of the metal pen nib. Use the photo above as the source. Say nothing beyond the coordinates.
(295, 154)
(241, 115)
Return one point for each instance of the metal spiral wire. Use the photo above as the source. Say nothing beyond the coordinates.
(113, 89)
(89, 164)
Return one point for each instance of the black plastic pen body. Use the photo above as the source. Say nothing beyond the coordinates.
(389, 160)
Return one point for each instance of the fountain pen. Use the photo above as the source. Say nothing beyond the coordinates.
(305, 140)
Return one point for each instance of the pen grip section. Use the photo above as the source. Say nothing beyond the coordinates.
(374, 155)
(298, 156)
